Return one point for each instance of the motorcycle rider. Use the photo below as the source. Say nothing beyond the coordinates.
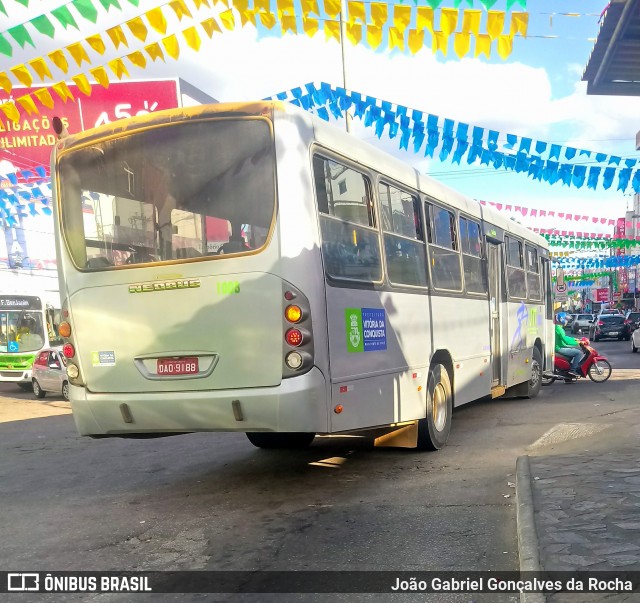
(567, 346)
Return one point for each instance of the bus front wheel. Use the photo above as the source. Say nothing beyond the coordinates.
(433, 430)
(261, 439)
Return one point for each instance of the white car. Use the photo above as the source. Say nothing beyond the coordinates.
(635, 340)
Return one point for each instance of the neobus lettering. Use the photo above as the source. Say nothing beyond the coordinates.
(147, 287)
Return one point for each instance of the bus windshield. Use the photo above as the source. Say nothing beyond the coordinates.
(21, 331)
(185, 190)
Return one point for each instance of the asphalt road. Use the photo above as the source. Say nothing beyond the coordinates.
(213, 501)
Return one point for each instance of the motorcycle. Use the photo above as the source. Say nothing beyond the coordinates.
(592, 365)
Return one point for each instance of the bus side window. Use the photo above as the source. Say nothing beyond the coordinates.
(533, 273)
(350, 242)
(474, 274)
(403, 239)
(516, 281)
(444, 249)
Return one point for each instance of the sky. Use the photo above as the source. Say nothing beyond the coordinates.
(537, 92)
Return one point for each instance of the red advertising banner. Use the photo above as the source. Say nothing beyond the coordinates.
(27, 144)
(602, 295)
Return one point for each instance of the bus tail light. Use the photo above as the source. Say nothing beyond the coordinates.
(297, 332)
(64, 329)
(68, 350)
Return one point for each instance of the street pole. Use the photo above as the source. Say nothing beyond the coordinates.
(343, 35)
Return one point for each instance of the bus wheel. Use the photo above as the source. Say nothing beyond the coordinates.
(261, 439)
(433, 430)
(535, 381)
(38, 392)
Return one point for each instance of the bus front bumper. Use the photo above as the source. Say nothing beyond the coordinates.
(298, 404)
(15, 376)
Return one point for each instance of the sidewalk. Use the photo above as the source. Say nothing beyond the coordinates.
(579, 506)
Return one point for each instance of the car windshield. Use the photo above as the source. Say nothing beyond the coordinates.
(21, 331)
(633, 316)
(584, 317)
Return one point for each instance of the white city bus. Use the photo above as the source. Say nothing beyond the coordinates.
(27, 325)
(248, 267)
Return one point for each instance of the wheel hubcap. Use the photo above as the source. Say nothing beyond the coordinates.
(439, 407)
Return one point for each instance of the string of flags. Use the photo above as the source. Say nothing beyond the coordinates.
(458, 140)
(616, 261)
(587, 243)
(534, 213)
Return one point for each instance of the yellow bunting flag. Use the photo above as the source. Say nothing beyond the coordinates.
(461, 44)
(22, 74)
(483, 45)
(288, 24)
(171, 46)
(26, 102)
(157, 21)
(41, 68)
(356, 11)
(268, 20)
(96, 43)
(210, 27)
(83, 84)
(332, 8)
(137, 59)
(248, 16)
(138, 28)
(415, 41)
(62, 90)
(374, 36)
(180, 9)
(118, 67)
(241, 5)
(440, 42)
(354, 33)
(285, 7)
(310, 26)
(59, 60)
(117, 36)
(505, 46)
(396, 39)
(44, 96)
(192, 38)
(519, 24)
(448, 20)
(332, 30)
(495, 23)
(100, 73)
(5, 83)
(424, 18)
(199, 3)
(262, 6)
(471, 21)
(401, 17)
(155, 52)
(78, 53)
(310, 7)
(228, 20)
(378, 14)
(11, 111)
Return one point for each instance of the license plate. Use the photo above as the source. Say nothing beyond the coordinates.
(177, 366)
(613, 333)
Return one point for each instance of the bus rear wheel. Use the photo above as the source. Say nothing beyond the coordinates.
(535, 381)
(269, 440)
(433, 430)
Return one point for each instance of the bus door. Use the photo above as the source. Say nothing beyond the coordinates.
(495, 295)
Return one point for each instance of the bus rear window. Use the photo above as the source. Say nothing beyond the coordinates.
(185, 190)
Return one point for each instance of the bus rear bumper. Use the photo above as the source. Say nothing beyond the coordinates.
(298, 404)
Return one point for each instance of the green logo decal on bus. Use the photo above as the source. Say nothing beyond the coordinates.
(366, 329)
(165, 286)
(353, 321)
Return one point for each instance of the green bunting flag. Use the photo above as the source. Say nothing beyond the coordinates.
(106, 4)
(63, 14)
(44, 26)
(86, 10)
(5, 47)
(20, 34)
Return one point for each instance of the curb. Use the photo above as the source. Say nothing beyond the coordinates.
(527, 535)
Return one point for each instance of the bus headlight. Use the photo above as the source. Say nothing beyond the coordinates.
(72, 371)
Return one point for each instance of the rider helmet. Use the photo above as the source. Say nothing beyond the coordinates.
(562, 318)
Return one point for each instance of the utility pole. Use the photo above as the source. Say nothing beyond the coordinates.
(343, 35)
